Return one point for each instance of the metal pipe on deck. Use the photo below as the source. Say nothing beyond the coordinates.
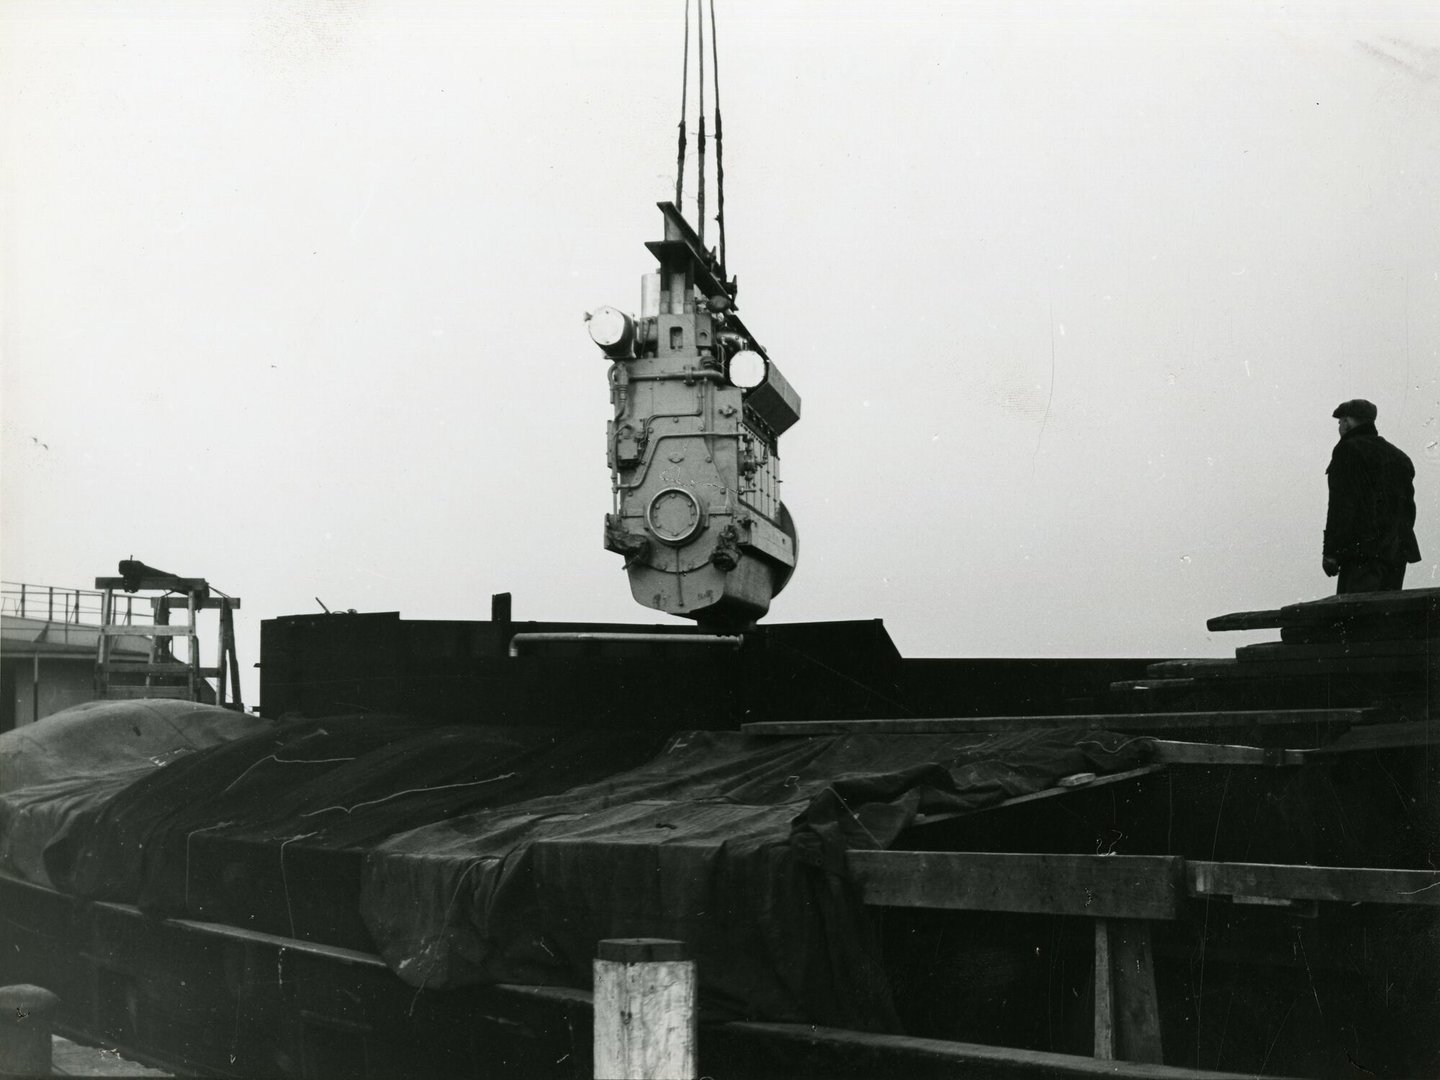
(732, 641)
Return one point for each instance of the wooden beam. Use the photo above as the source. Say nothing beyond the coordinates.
(1333, 609)
(1137, 1003)
(120, 667)
(165, 582)
(209, 602)
(1171, 752)
(1343, 884)
(1339, 650)
(1383, 737)
(901, 1055)
(1247, 620)
(1099, 886)
(1393, 628)
(1223, 668)
(1149, 721)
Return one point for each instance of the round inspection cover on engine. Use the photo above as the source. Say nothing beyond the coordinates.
(673, 515)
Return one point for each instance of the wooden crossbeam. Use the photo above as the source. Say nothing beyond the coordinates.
(159, 581)
(1099, 886)
(1225, 668)
(1339, 650)
(1333, 609)
(1141, 722)
(1382, 737)
(1114, 886)
(1171, 752)
(121, 667)
(1343, 884)
(870, 1054)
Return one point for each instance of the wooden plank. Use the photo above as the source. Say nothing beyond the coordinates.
(1397, 627)
(1136, 1005)
(902, 1055)
(1331, 610)
(1148, 721)
(1268, 669)
(1170, 752)
(1246, 620)
(1342, 884)
(1099, 886)
(208, 603)
(120, 667)
(1105, 1041)
(1383, 737)
(1339, 650)
(166, 582)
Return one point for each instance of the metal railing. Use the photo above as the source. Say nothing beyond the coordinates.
(52, 603)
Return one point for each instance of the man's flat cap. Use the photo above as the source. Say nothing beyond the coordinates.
(1359, 409)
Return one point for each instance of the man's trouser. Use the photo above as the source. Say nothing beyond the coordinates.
(1370, 575)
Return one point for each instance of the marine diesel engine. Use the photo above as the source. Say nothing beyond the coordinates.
(693, 443)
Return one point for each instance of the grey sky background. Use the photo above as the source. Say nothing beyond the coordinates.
(293, 298)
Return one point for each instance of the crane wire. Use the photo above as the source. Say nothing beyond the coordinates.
(684, 88)
(700, 185)
(719, 142)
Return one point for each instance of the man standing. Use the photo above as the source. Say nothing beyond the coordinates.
(1370, 527)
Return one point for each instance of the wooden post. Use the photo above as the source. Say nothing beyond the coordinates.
(222, 669)
(227, 621)
(102, 654)
(194, 647)
(645, 992)
(27, 1020)
(1104, 994)
(1127, 1013)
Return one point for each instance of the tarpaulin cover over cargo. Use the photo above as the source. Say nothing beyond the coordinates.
(477, 854)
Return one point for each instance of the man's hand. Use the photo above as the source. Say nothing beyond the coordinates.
(1330, 564)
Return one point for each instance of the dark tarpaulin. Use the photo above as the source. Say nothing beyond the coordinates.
(309, 789)
(55, 772)
(732, 843)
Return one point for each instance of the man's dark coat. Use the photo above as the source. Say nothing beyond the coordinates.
(1372, 500)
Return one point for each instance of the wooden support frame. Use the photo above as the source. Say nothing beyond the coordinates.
(1140, 722)
(1123, 894)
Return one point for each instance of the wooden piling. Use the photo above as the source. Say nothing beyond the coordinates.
(645, 990)
(27, 1021)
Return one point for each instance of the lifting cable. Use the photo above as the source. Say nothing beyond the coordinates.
(719, 137)
(700, 49)
(684, 87)
(719, 142)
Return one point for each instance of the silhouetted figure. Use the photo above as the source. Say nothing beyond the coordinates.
(1370, 526)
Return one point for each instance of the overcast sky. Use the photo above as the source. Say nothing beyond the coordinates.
(293, 298)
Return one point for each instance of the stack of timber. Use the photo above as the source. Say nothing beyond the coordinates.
(1358, 649)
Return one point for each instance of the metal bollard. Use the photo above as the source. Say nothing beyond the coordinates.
(644, 1010)
(27, 1020)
